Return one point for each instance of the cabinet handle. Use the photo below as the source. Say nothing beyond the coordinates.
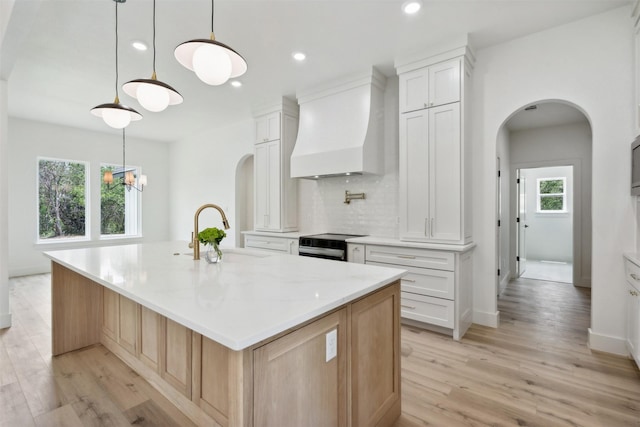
(409, 280)
(406, 256)
(356, 249)
(407, 306)
(634, 276)
(431, 229)
(426, 227)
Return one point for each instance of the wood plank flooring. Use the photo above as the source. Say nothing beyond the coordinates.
(535, 370)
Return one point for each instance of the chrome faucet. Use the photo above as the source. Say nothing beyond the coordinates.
(194, 236)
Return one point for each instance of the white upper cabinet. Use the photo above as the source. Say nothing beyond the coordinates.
(275, 192)
(431, 86)
(430, 175)
(268, 127)
(434, 184)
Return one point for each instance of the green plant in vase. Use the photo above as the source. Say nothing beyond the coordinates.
(212, 237)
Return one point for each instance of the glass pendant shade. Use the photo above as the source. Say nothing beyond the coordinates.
(116, 115)
(129, 179)
(108, 178)
(142, 181)
(213, 62)
(152, 97)
(152, 94)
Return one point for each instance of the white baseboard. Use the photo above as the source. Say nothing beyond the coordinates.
(504, 281)
(607, 344)
(486, 319)
(17, 272)
(5, 320)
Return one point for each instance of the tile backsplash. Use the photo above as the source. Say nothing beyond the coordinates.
(321, 206)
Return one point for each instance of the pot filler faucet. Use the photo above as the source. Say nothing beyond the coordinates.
(194, 236)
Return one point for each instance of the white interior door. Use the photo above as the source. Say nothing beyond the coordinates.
(521, 255)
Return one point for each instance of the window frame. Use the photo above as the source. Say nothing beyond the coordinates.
(133, 209)
(87, 203)
(540, 195)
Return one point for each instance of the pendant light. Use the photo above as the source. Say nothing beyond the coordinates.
(115, 114)
(153, 94)
(128, 178)
(213, 62)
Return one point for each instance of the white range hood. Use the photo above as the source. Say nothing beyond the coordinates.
(341, 129)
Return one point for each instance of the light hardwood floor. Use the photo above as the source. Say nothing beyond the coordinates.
(535, 370)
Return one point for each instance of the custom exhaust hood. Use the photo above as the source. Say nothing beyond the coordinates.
(341, 129)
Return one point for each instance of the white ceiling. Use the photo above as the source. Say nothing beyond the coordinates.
(61, 52)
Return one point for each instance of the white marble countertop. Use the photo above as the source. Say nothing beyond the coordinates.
(248, 297)
(387, 241)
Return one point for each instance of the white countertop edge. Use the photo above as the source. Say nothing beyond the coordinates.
(248, 341)
(386, 241)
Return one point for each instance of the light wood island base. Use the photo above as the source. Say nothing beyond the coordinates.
(284, 380)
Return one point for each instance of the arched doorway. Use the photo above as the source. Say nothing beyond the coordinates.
(244, 198)
(544, 134)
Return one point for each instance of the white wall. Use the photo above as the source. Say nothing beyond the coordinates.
(28, 140)
(321, 206)
(587, 63)
(5, 312)
(203, 170)
(549, 236)
(505, 217)
(561, 145)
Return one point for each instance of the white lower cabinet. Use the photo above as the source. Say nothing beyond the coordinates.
(355, 253)
(280, 244)
(436, 291)
(632, 273)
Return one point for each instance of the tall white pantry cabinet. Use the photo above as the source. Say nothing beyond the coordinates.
(276, 193)
(434, 152)
(435, 192)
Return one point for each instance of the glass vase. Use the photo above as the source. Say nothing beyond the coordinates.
(213, 253)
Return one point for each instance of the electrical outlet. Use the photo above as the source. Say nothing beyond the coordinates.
(331, 344)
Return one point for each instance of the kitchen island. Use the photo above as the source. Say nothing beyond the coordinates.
(257, 339)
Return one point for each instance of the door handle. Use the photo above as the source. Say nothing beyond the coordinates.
(526, 226)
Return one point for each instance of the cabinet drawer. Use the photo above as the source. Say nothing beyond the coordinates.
(425, 281)
(265, 243)
(422, 258)
(632, 273)
(435, 311)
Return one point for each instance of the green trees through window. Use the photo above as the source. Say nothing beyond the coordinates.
(112, 205)
(551, 194)
(62, 195)
(63, 192)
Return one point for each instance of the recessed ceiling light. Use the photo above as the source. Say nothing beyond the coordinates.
(299, 56)
(236, 83)
(412, 6)
(138, 45)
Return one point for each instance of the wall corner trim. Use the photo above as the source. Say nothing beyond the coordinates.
(486, 319)
(607, 344)
(5, 320)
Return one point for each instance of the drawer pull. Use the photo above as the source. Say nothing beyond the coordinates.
(634, 276)
(407, 306)
(409, 280)
(407, 256)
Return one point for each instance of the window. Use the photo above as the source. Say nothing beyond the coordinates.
(62, 195)
(552, 195)
(119, 206)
